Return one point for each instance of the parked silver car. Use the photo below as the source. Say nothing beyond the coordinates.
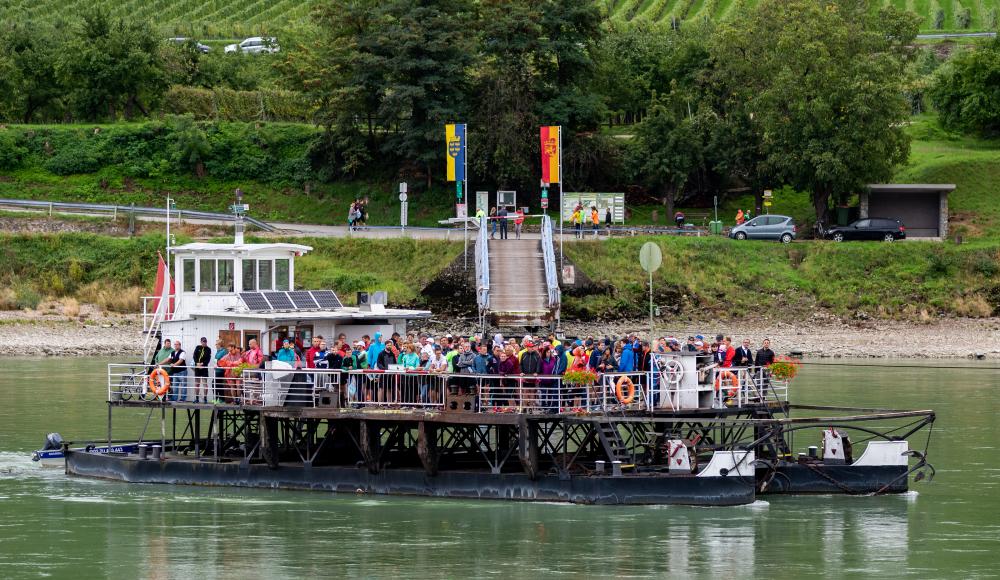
(766, 227)
(254, 45)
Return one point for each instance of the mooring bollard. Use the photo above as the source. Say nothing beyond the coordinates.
(616, 469)
(157, 452)
(143, 451)
(599, 467)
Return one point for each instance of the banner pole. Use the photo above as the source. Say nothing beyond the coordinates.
(562, 202)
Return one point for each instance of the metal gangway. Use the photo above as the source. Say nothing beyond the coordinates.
(517, 281)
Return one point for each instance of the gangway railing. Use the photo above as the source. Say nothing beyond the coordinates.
(549, 255)
(482, 251)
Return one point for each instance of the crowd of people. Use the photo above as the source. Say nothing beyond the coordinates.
(448, 354)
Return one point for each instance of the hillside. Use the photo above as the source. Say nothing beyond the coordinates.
(238, 18)
(983, 13)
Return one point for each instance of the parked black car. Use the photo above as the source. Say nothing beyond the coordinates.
(887, 230)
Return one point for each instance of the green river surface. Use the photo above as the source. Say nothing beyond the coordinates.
(52, 525)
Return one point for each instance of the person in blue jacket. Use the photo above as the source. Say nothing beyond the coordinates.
(375, 349)
(627, 364)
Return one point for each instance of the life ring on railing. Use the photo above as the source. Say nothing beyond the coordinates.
(159, 382)
(629, 386)
(734, 381)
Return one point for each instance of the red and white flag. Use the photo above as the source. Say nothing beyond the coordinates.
(164, 290)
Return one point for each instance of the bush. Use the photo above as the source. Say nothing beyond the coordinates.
(11, 153)
(964, 18)
(26, 297)
(964, 91)
(74, 160)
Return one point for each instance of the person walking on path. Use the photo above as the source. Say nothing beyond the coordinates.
(595, 219)
(518, 220)
(502, 218)
(577, 221)
(493, 222)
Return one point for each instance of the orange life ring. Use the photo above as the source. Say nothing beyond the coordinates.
(734, 381)
(630, 387)
(162, 386)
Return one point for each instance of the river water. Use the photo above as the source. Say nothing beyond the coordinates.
(54, 525)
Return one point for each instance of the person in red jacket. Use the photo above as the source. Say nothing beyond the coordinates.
(730, 352)
(311, 353)
(518, 220)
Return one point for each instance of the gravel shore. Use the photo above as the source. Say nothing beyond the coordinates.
(51, 334)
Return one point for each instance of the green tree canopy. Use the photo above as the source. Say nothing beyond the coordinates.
(966, 91)
(822, 86)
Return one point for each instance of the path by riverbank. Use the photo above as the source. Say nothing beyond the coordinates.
(38, 334)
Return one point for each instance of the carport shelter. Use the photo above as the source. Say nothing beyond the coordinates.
(922, 207)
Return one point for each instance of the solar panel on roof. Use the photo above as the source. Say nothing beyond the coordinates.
(303, 300)
(255, 301)
(279, 301)
(326, 299)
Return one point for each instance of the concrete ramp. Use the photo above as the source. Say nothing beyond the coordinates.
(518, 290)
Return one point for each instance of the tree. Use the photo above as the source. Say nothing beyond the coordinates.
(29, 56)
(427, 50)
(191, 145)
(504, 147)
(823, 86)
(670, 144)
(965, 90)
(572, 30)
(111, 65)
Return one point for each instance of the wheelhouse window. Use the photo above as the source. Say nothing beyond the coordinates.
(206, 275)
(189, 276)
(249, 275)
(225, 275)
(265, 273)
(282, 274)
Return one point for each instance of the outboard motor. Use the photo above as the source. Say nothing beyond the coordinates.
(53, 442)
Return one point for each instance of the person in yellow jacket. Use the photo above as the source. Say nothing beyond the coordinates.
(577, 221)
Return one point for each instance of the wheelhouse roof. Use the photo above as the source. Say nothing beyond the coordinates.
(247, 249)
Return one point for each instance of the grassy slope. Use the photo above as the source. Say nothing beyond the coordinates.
(723, 277)
(114, 272)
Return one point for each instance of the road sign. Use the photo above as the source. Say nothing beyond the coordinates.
(650, 257)
(402, 197)
(568, 275)
(767, 193)
(402, 187)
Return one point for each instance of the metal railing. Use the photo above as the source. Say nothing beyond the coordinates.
(224, 386)
(114, 210)
(548, 254)
(416, 389)
(483, 266)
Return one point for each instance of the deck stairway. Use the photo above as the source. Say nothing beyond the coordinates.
(612, 442)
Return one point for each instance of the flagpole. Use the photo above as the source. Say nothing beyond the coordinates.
(561, 201)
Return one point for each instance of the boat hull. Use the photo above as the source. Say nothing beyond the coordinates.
(793, 478)
(588, 489)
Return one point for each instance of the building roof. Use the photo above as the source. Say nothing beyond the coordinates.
(247, 249)
(910, 187)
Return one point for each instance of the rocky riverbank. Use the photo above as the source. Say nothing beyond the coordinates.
(35, 333)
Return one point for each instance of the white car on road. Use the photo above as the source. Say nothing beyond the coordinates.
(255, 45)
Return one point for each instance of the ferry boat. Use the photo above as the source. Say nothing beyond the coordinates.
(684, 432)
